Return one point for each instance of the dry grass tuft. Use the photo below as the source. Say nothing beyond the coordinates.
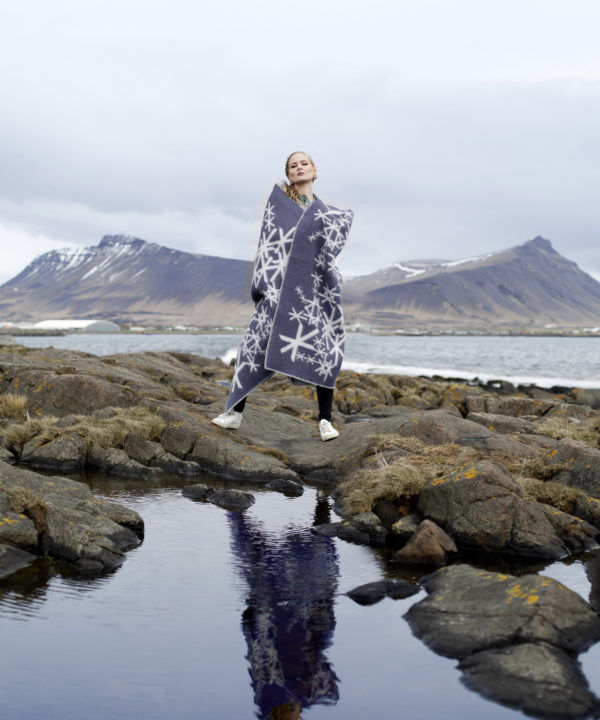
(432, 460)
(106, 431)
(13, 406)
(41, 428)
(22, 499)
(561, 428)
(400, 480)
(111, 432)
(559, 496)
(399, 483)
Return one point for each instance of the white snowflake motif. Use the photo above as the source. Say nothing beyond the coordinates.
(294, 344)
(268, 218)
(272, 295)
(325, 368)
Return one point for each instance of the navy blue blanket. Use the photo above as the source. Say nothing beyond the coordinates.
(297, 327)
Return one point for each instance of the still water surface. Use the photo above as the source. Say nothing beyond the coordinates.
(218, 615)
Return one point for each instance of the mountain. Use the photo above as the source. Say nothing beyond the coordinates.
(129, 280)
(530, 284)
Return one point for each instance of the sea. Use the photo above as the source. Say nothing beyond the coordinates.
(546, 361)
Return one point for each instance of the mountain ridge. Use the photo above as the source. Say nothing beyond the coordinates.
(129, 280)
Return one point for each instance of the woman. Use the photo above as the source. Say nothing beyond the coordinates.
(297, 326)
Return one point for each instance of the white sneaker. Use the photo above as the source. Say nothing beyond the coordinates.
(231, 420)
(328, 432)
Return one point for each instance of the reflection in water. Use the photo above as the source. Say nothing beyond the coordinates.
(289, 620)
(23, 594)
(592, 569)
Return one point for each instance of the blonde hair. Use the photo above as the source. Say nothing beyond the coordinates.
(288, 188)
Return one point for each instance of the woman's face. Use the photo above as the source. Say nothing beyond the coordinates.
(300, 168)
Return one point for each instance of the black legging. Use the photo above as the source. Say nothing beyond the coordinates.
(324, 396)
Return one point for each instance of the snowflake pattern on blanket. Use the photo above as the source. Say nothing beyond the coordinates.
(297, 327)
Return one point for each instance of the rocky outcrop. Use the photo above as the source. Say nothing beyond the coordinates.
(529, 618)
(148, 414)
(575, 464)
(60, 518)
(482, 507)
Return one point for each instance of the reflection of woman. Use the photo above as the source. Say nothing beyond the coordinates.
(289, 620)
(297, 326)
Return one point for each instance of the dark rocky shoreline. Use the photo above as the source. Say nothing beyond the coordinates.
(431, 470)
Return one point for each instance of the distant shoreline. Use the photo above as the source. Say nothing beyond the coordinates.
(35, 332)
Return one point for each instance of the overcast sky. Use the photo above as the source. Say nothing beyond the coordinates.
(451, 128)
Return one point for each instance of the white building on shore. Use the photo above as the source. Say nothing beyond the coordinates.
(90, 326)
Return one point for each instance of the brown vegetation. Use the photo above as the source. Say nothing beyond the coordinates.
(400, 480)
(107, 431)
(561, 428)
(13, 406)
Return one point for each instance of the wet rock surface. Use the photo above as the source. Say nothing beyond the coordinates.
(227, 498)
(482, 507)
(429, 545)
(576, 465)
(530, 608)
(373, 592)
(61, 518)
(517, 637)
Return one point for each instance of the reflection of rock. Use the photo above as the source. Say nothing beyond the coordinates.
(61, 518)
(517, 636)
(535, 677)
(289, 620)
(592, 569)
(482, 508)
(13, 559)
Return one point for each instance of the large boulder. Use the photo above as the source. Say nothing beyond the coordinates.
(469, 610)
(517, 637)
(16, 528)
(503, 423)
(517, 406)
(117, 461)
(436, 427)
(482, 507)
(61, 518)
(91, 543)
(577, 465)
(67, 452)
(49, 392)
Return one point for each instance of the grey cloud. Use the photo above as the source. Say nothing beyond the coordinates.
(451, 129)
